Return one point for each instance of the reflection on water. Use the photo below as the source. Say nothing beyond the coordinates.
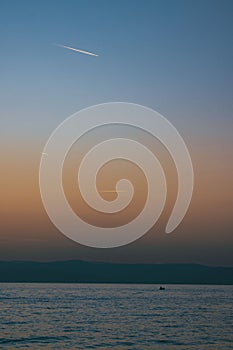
(89, 316)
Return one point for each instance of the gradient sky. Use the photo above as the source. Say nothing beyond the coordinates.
(173, 56)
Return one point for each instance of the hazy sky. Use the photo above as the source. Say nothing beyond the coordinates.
(173, 56)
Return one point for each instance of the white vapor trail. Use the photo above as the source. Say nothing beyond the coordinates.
(77, 50)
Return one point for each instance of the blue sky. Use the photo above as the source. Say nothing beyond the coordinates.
(173, 56)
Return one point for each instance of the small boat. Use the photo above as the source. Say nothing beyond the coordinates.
(161, 288)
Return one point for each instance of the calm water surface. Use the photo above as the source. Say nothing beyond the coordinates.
(95, 316)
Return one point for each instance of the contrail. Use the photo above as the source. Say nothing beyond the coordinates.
(111, 191)
(77, 50)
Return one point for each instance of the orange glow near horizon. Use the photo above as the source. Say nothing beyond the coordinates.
(24, 222)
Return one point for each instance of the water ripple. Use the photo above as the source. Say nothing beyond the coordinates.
(91, 316)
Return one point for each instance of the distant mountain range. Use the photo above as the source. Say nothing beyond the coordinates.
(75, 271)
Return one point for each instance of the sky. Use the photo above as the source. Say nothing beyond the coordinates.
(173, 56)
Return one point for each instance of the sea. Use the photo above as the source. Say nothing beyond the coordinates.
(115, 316)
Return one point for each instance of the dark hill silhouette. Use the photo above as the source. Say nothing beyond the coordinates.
(95, 272)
